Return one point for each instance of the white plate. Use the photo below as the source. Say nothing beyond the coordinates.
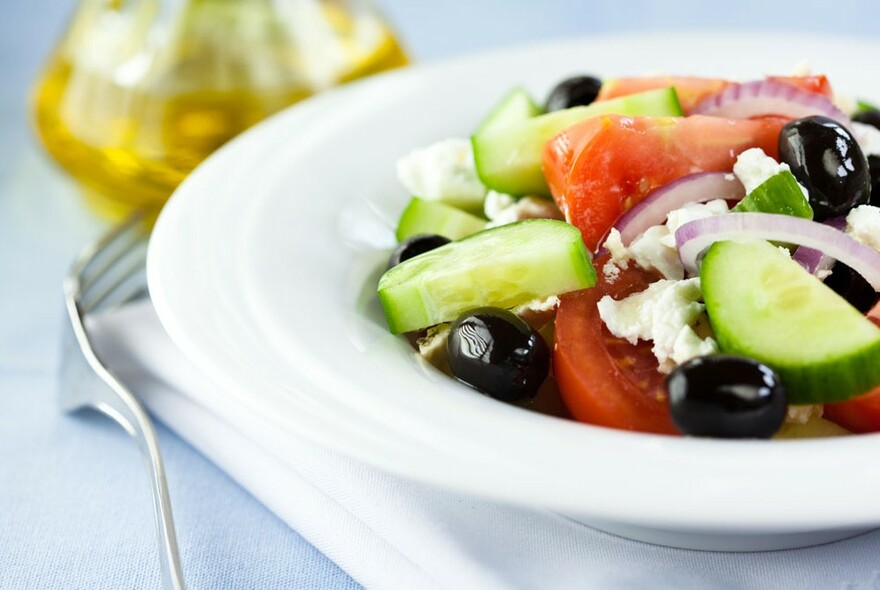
(263, 266)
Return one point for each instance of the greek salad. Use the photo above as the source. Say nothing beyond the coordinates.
(674, 255)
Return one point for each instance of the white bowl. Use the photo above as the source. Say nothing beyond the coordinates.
(263, 269)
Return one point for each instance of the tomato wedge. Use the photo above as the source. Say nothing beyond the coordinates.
(601, 167)
(693, 89)
(874, 314)
(860, 414)
(602, 379)
(690, 89)
(818, 84)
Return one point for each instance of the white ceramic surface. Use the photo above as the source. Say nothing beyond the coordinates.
(263, 266)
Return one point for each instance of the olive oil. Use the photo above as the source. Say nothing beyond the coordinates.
(129, 118)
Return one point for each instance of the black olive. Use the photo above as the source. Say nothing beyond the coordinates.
(726, 397)
(577, 91)
(414, 246)
(868, 117)
(874, 168)
(497, 353)
(852, 286)
(827, 160)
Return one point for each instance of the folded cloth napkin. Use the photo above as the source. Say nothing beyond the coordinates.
(389, 532)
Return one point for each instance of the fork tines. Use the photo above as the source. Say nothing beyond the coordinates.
(110, 272)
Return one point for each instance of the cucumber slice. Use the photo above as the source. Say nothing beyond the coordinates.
(763, 305)
(515, 107)
(502, 267)
(508, 158)
(433, 217)
(778, 194)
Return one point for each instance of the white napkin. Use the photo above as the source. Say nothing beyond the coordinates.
(388, 532)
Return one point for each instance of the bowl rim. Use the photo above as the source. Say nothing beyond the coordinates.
(776, 466)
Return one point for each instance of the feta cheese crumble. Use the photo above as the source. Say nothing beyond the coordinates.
(496, 203)
(538, 312)
(802, 414)
(692, 212)
(665, 312)
(610, 271)
(614, 244)
(442, 171)
(753, 167)
(652, 250)
(655, 249)
(863, 224)
(868, 138)
(502, 209)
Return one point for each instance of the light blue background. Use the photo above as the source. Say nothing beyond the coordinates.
(74, 509)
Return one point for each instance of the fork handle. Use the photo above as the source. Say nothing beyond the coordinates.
(125, 410)
(169, 556)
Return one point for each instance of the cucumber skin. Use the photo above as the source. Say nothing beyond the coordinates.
(778, 194)
(509, 159)
(433, 217)
(517, 105)
(834, 378)
(410, 309)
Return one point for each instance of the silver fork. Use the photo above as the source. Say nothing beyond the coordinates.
(109, 273)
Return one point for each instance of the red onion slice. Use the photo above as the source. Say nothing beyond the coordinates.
(694, 237)
(768, 97)
(695, 188)
(815, 261)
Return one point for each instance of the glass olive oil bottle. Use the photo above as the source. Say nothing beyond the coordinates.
(138, 92)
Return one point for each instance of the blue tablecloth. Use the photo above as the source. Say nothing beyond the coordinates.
(74, 506)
